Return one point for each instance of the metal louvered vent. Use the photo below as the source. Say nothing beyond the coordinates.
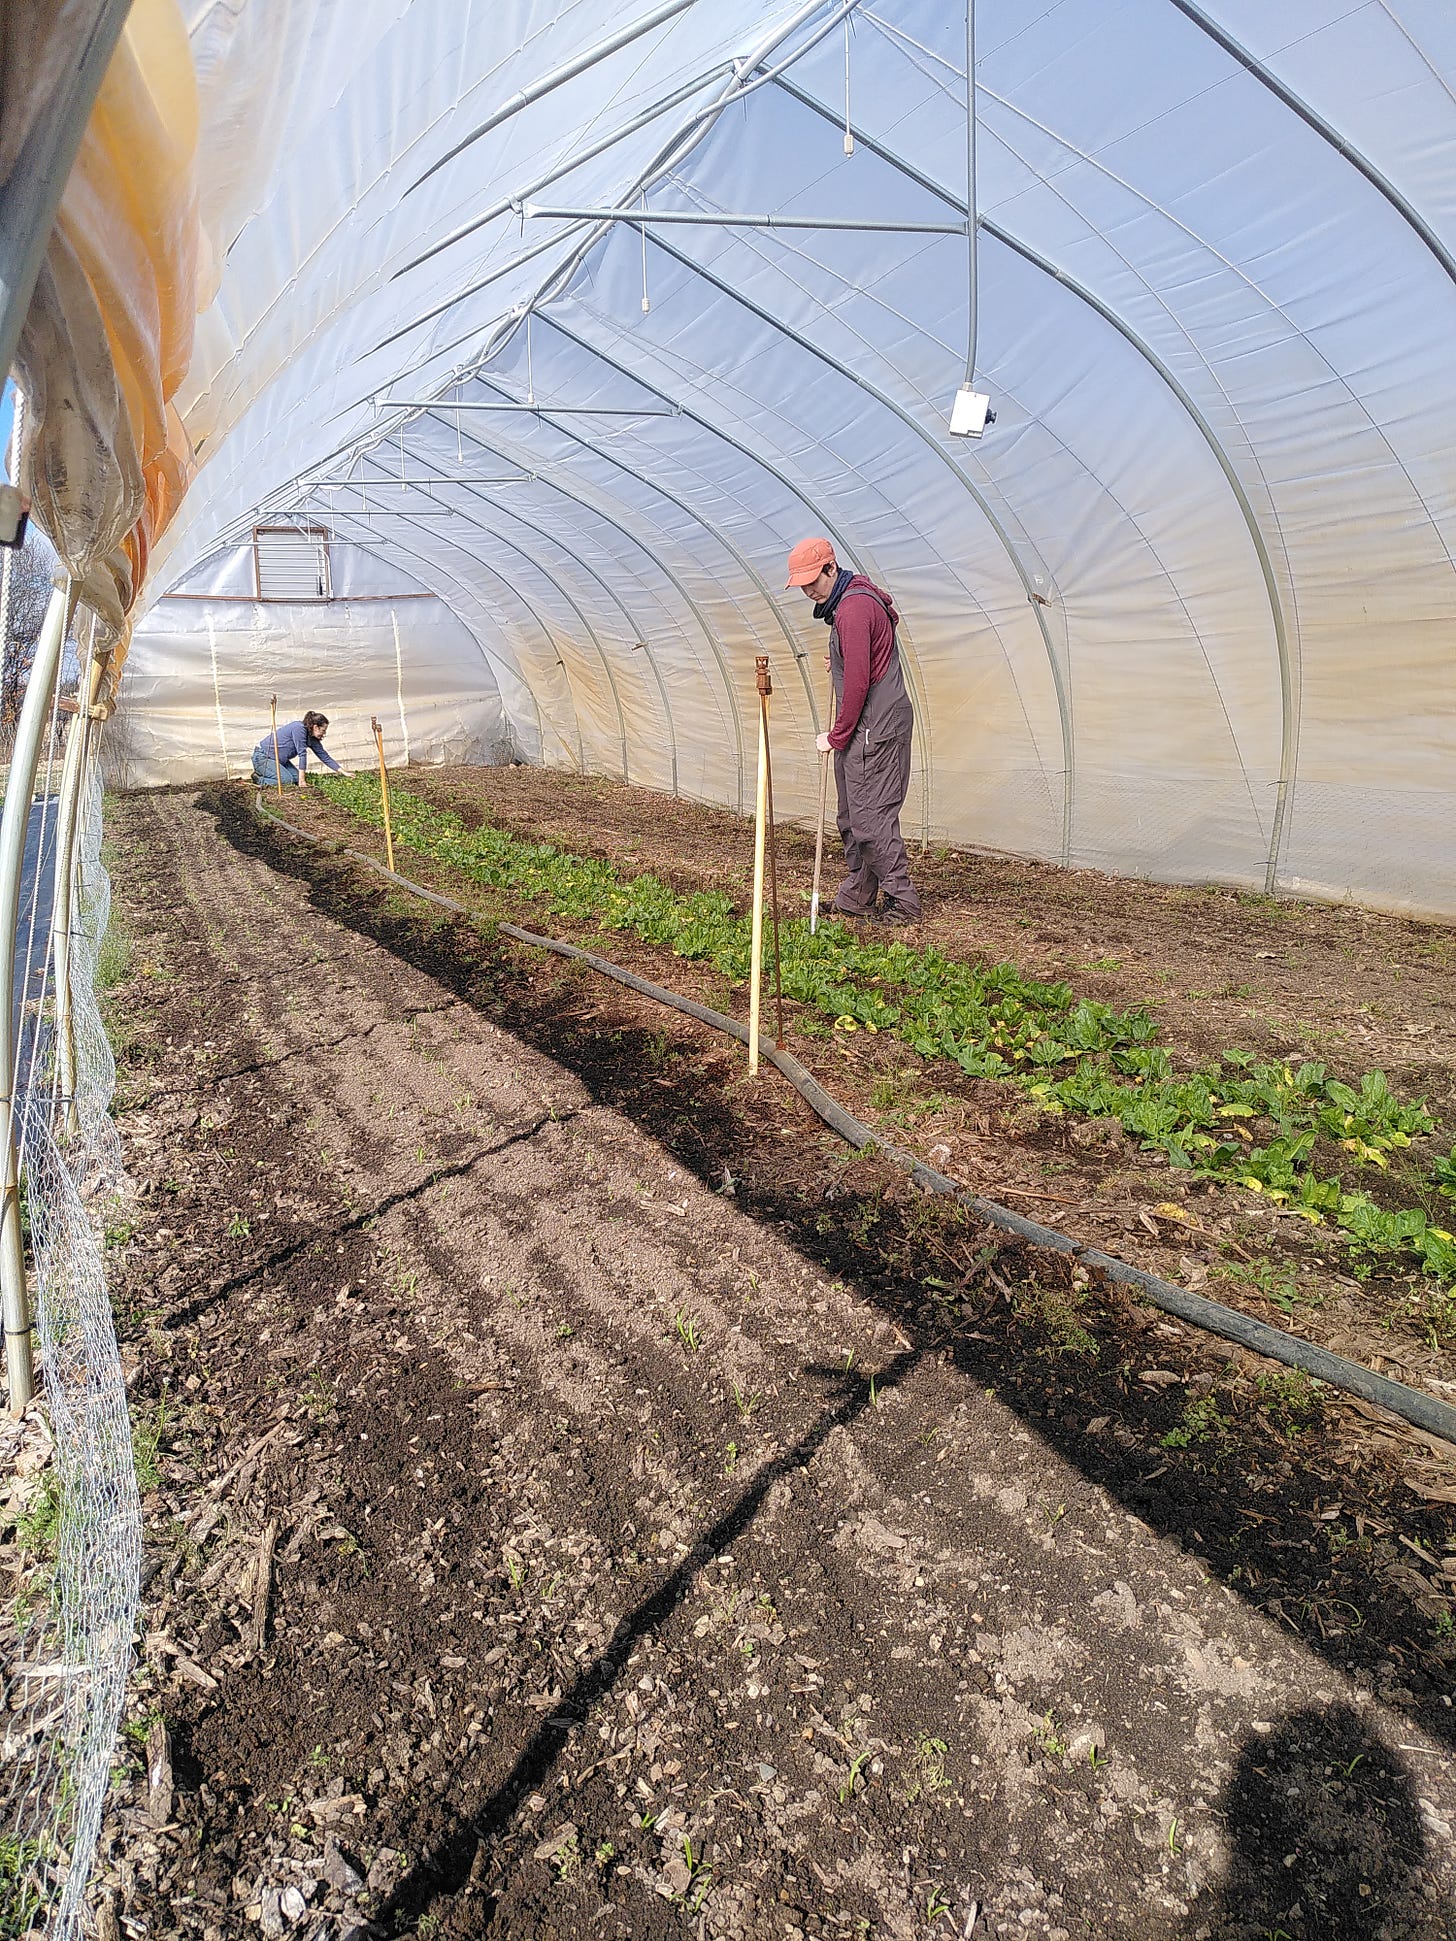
(291, 562)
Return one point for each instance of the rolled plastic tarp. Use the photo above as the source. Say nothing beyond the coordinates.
(108, 337)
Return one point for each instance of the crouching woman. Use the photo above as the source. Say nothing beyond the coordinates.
(295, 743)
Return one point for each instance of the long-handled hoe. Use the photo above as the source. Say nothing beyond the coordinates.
(825, 761)
(762, 831)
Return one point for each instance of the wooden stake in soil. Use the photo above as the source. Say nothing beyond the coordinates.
(773, 867)
(760, 831)
(384, 790)
(277, 765)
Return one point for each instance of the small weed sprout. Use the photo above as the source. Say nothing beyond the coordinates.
(146, 1439)
(515, 1569)
(567, 1858)
(744, 1402)
(1202, 1421)
(688, 1330)
(1047, 1737)
(238, 1228)
(856, 1766)
(932, 1762)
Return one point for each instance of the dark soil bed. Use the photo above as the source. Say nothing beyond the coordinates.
(590, 1499)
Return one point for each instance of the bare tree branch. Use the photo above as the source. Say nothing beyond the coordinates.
(30, 592)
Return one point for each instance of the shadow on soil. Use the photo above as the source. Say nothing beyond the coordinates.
(1252, 1501)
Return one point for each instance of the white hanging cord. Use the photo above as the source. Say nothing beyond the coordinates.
(642, 232)
(530, 364)
(402, 479)
(972, 292)
(848, 133)
(459, 440)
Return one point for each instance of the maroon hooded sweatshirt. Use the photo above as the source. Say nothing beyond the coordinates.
(866, 630)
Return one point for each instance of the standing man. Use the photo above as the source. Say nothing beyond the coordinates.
(870, 738)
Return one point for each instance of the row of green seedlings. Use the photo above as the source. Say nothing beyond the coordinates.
(1241, 1120)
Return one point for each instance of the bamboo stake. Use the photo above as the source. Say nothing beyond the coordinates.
(277, 765)
(384, 790)
(773, 868)
(760, 830)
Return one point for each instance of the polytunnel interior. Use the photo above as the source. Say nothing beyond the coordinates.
(1184, 611)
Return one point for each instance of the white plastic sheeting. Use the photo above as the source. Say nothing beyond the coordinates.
(196, 703)
(1188, 609)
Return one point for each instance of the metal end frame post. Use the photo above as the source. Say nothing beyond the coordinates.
(384, 790)
(277, 764)
(62, 899)
(14, 823)
(760, 833)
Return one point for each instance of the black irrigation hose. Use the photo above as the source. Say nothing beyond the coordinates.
(1412, 1404)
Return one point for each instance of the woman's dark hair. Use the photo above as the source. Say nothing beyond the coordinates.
(314, 724)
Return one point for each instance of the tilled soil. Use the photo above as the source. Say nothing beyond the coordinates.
(580, 1506)
(1217, 969)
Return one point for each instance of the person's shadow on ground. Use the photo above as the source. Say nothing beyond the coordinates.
(1325, 1841)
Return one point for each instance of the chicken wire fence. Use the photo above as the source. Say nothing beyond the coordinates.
(69, 1622)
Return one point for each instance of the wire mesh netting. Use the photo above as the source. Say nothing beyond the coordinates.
(75, 1512)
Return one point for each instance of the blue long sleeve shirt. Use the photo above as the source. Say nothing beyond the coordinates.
(295, 744)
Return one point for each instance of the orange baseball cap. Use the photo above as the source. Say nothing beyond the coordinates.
(808, 560)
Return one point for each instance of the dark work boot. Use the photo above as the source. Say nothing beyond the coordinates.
(895, 913)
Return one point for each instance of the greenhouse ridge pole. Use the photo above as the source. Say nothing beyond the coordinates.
(711, 219)
(14, 825)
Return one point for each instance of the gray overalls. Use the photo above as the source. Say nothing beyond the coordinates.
(872, 778)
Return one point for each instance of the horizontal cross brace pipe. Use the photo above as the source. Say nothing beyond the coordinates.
(707, 219)
(370, 512)
(428, 478)
(536, 410)
(578, 157)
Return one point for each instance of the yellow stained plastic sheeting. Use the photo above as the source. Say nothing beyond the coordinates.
(106, 481)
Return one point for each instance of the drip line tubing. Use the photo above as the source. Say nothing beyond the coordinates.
(1413, 1405)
